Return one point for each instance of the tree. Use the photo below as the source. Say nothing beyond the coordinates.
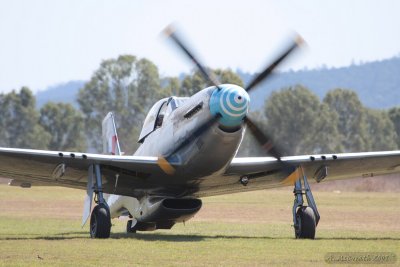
(19, 121)
(351, 124)
(381, 132)
(228, 76)
(192, 84)
(65, 125)
(171, 86)
(126, 85)
(394, 115)
(300, 124)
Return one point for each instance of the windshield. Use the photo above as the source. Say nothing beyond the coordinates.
(160, 110)
(174, 103)
(150, 121)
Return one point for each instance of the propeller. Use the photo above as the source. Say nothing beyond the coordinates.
(262, 138)
(295, 43)
(267, 145)
(171, 32)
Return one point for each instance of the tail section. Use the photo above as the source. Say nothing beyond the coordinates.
(111, 146)
(110, 137)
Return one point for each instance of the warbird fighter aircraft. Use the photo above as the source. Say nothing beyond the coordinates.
(187, 151)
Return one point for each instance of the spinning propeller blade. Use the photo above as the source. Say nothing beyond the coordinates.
(268, 70)
(263, 139)
(171, 32)
(266, 143)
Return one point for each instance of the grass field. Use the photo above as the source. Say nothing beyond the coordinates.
(246, 229)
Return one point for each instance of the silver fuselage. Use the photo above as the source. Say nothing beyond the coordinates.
(207, 154)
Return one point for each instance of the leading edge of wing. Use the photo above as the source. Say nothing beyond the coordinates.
(258, 164)
(24, 163)
(92, 157)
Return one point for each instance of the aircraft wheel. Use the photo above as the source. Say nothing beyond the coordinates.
(306, 220)
(129, 228)
(100, 222)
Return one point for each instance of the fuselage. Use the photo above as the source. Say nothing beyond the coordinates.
(213, 149)
(172, 121)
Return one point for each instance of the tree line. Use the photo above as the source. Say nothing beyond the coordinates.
(298, 121)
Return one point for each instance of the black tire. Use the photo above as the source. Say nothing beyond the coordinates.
(100, 222)
(129, 228)
(306, 218)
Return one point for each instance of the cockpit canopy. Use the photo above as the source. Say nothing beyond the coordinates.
(160, 110)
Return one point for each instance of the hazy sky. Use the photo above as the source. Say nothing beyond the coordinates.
(44, 43)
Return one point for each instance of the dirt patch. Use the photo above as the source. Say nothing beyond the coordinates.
(389, 183)
(4, 180)
(367, 219)
(42, 209)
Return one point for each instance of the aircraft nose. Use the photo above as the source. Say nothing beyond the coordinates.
(231, 102)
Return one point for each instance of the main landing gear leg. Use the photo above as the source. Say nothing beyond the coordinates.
(100, 220)
(305, 218)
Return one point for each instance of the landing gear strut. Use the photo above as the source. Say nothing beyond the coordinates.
(100, 220)
(305, 218)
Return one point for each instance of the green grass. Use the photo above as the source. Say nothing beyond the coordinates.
(247, 229)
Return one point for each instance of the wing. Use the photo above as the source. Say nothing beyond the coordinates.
(263, 172)
(121, 174)
(138, 175)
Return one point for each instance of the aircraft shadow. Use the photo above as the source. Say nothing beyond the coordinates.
(137, 236)
(59, 236)
(359, 238)
(183, 238)
(194, 238)
(178, 237)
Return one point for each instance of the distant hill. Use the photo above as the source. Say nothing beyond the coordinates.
(377, 83)
(64, 92)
